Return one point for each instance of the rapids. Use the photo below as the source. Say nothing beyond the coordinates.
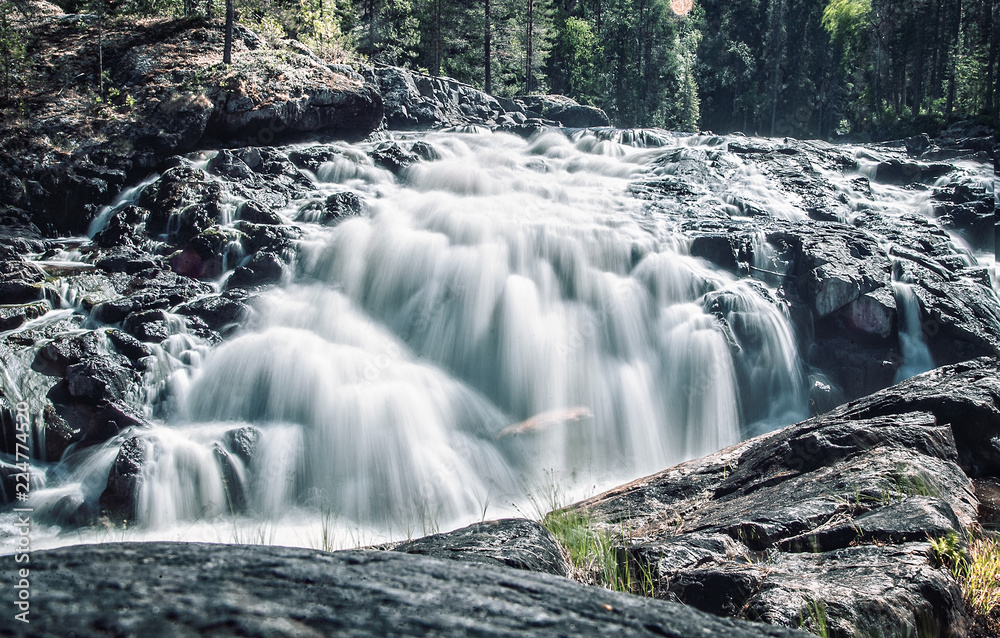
(506, 327)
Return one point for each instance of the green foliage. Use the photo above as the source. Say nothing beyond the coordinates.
(598, 556)
(576, 55)
(13, 52)
(947, 551)
(814, 619)
(846, 20)
(981, 575)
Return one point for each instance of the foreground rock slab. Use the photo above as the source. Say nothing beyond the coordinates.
(510, 542)
(832, 514)
(182, 589)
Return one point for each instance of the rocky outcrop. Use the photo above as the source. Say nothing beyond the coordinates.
(831, 514)
(297, 592)
(169, 99)
(837, 268)
(418, 101)
(566, 111)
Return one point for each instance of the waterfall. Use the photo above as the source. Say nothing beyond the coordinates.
(916, 355)
(505, 313)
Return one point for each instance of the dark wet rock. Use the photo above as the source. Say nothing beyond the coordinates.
(234, 481)
(566, 111)
(149, 326)
(223, 313)
(128, 345)
(118, 500)
(425, 151)
(358, 593)
(182, 204)
(108, 420)
(264, 268)
(55, 357)
(843, 277)
(988, 495)
(965, 395)
(207, 255)
(20, 282)
(262, 237)
(729, 251)
(834, 265)
(11, 475)
(124, 228)
(312, 157)
(917, 145)
(856, 366)
(101, 378)
(243, 442)
(336, 207)
(835, 510)
(511, 542)
(912, 520)
(226, 164)
(256, 213)
(899, 172)
(392, 157)
(128, 262)
(969, 209)
(14, 316)
(149, 289)
(59, 435)
(311, 99)
(872, 313)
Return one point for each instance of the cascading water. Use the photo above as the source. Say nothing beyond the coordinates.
(506, 314)
(916, 355)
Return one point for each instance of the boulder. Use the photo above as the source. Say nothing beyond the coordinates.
(242, 442)
(566, 111)
(264, 268)
(102, 378)
(256, 213)
(335, 208)
(118, 500)
(223, 313)
(124, 228)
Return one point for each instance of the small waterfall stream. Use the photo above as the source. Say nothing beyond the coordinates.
(504, 318)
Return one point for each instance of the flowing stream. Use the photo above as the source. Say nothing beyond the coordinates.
(505, 328)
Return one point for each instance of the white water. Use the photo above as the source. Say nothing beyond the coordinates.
(506, 323)
(916, 355)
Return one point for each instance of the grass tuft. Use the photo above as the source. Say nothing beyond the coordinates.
(598, 557)
(981, 576)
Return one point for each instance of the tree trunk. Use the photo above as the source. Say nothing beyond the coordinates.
(777, 46)
(437, 37)
(227, 50)
(487, 55)
(531, 37)
(952, 54)
(371, 29)
(100, 49)
(992, 59)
